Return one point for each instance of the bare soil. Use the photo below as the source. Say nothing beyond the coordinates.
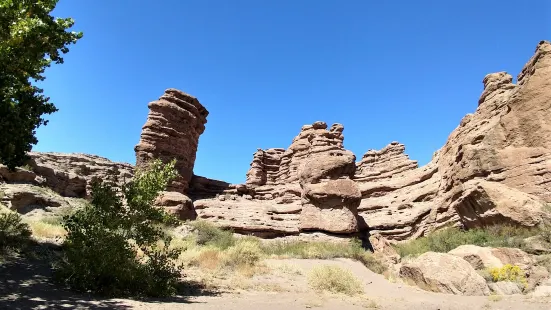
(26, 283)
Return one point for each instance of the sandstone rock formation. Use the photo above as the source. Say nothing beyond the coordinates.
(307, 187)
(172, 131)
(495, 167)
(54, 180)
(71, 175)
(483, 257)
(445, 273)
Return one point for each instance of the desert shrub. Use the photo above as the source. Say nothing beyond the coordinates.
(14, 233)
(448, 239)
(244, 252)
(209, 234)
(112, 248)
(508, 272)
(334, 279)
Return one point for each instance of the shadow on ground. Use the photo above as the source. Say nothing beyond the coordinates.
(26, 283)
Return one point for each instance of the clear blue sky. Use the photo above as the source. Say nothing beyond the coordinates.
(388, 70)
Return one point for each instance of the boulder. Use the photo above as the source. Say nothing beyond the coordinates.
(505, 288)
(177, 204)
(484, 257)
(25, 198)
(19, 175)
(445, 273)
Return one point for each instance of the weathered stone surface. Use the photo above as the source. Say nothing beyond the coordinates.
(386, 163)
(264, 167)
(24, 198)
(177, 204)
(172, 130)
(330, 206)
(445, 273)
(380, 245)
(484, 257)
(495, 166)
(71, 175)
(18, 176)
(505, 288)
(485, 203)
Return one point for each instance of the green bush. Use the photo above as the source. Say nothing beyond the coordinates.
(448, 239)
(14, 234)
(209, 234)
(116, 249)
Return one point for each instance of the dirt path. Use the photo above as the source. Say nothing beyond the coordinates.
(25, 283)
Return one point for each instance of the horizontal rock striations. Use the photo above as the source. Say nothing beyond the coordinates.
(494, 168)
(172, 130)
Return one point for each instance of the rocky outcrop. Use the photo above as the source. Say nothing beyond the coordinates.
(309, 185)
(386, 163)
(177, 204)
(444, 273)
(484, 257)
(495, 167)
(172, 130)
(72, 175)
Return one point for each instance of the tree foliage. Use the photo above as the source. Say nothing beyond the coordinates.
(115, 248)
(30, 41)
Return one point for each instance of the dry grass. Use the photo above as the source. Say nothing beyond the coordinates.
(335, 280)
(41, 229)
(448, 239)
(495, 298)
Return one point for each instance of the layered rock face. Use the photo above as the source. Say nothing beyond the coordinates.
(495, 167)
(71, 175)
(306, 187)
(172, 131)
(52, 181)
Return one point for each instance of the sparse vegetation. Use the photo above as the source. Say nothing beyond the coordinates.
(448, 239)
(14, 233)
(545, 261)
(107, 233)
(324, 250)
(211, 235)
(45, 229)
(335, 280)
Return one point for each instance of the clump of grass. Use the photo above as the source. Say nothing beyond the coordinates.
(209, 234)
(448, 239)
(324, 250)
(244, 252)
(495, 298)
(335, 280)
(44, 229)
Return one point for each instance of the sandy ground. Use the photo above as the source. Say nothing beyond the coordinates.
(26, 284)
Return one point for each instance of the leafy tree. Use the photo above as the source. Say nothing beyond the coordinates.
(115, 248)
(30, 40)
